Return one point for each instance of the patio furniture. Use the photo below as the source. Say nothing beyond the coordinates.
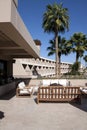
(23, 90)
(83, 90)
(59, 94)
(36, 90)
(47, 82)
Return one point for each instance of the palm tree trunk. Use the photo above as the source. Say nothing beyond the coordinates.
(77, 56)
(56, 57)
(59, 65)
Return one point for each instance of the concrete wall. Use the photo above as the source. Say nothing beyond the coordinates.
(21, 28)
(74, 82)
(12, 26)
(5, 10)
(16, 2)
(19, 70)
(78, 82)
(37, 68)
(6, 88)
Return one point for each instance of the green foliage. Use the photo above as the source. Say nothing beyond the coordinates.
(75, 68)
(55, 19)
(85, 58)
(62, 47)
(78, 43)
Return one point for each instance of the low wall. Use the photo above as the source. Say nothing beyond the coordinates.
(72, 82)
(78, 82)
(6, 88)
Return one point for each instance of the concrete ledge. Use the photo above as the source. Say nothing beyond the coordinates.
(6, 88)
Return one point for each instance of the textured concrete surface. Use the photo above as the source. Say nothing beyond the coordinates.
(25, 114)
(73, 82)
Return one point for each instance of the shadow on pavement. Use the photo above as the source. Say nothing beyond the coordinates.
(83, 105)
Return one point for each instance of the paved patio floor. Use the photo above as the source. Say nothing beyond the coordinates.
(25, 114)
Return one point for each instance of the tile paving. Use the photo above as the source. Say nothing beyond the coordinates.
(26, 114)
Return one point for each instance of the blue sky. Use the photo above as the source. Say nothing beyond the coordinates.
(32, 12)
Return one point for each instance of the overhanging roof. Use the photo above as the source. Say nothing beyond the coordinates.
(15, 40)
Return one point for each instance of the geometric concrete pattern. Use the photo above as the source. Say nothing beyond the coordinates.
(26, 114)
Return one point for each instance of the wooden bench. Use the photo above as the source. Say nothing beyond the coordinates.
(59, 94)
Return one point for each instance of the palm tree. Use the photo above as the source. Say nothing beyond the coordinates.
(61, 48)
(55, 20)
(78, 44)
(85, 58)
(75, 68)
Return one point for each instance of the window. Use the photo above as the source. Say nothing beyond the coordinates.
(3, 71)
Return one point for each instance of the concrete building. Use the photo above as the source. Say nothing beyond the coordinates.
(15, 40)
(34, 68)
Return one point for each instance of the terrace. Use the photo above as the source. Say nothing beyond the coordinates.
(26, 114)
